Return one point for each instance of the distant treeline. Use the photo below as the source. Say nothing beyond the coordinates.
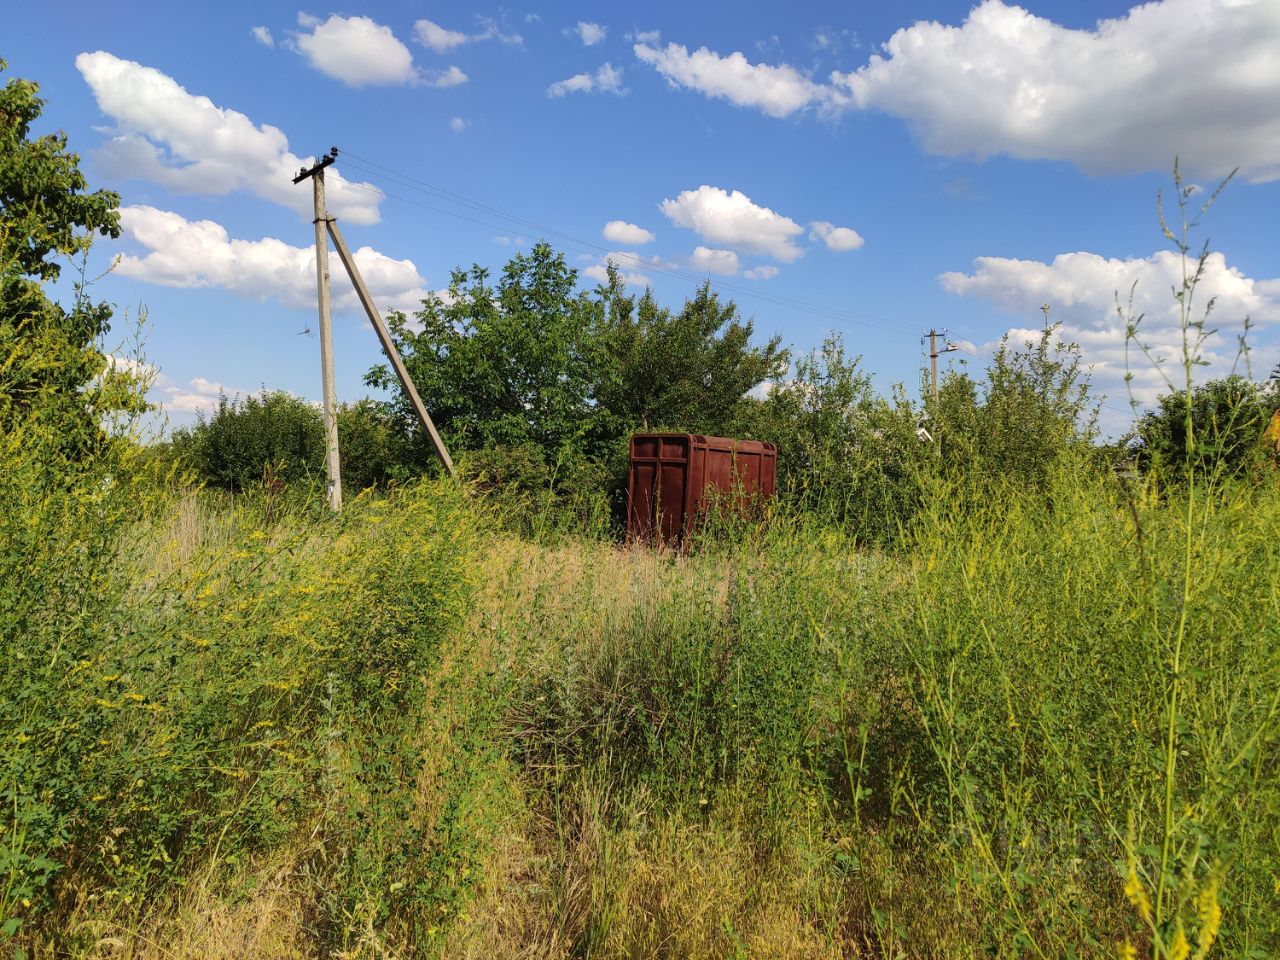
(537, 385)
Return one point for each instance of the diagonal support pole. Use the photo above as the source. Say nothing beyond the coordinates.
(384, 336)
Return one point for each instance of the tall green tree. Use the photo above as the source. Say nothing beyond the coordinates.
(1035, 407)
(50, 365)
(690, 370)
(507, 365)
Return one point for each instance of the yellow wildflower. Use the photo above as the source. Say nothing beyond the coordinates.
(1136, 892)
(1210, 914)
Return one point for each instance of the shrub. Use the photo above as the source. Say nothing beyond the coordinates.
(1216, 431)
(246, 441)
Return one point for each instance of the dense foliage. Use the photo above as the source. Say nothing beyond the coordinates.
(1216, 428)
(276, 439)
(50, 364)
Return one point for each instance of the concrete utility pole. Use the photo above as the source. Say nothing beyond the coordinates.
(327, 226)
(333, 467)
(933, 360)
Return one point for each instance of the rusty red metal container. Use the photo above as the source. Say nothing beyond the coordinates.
(673, 475)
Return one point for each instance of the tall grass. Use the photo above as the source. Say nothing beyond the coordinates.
(405, 733)
(178, 695)
(1039, 721)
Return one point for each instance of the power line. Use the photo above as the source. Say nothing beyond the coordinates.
(378, 171)
(843, 317)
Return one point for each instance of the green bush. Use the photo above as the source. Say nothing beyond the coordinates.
(249, 441)
(373, 447)
(1216, 431)
(843, 452)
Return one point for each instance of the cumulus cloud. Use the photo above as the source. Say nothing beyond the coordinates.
(590, 33)
(778, 91)
(1081, 291)
(836, 238)
(607, 79)
(450, 77)
(619, 231)
(207, 149)
(263, 36)
(438, 38)
(1197, 79)
(722, 262)
(442, 40)
(733, 220)
(459, 124)
(200, 253)
(764, 272)
(1193, 78)
(358, 51)
(197, 395)
(631, 264)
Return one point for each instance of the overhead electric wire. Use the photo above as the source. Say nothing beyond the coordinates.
(622, 259)
(844, 317)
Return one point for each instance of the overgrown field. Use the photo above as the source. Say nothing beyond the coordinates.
(1039, 725)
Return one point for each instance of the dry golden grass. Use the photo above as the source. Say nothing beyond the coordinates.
(249, 914)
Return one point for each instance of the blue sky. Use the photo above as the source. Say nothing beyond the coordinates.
(871, 170)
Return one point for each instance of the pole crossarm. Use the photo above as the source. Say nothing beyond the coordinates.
(325, 161)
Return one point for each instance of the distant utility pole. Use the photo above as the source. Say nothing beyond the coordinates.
(933, 359)
(327, 224)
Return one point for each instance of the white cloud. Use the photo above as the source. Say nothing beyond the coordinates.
(450, 77)
(631, 264)
(722, 262)
(649, 37)
(358, 51)
(764, 272)
(831, 40)
(441, 39)
(194, 254)
(1081, 290)
(599, 273)
(198, 395)
(619, 231)
(836, 238)
(607, 79)
(778, 91)
(732, 219)
(438, 38)
(459, 124)
(263, 36)
(590, 33)
(1195, 78)
(208, 149)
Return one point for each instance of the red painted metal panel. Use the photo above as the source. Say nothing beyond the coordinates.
(673, 474)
